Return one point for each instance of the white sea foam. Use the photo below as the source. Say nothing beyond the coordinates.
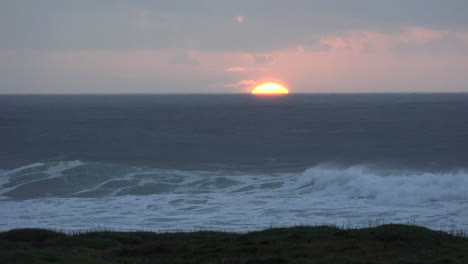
(391, 187)
(82, 195)
(50, 171)
(5, 174)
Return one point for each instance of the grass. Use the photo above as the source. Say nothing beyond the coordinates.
(402, 244)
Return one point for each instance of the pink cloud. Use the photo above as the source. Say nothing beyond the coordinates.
(463, 36)
(421, 35)
(241, 83)
(242, 69)
(240, 19)
(235, 69)
(371, 41)
(363, 61)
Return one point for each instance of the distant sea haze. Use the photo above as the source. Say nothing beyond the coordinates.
(233, 162)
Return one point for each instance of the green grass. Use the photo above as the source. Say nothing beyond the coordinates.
(399, 244)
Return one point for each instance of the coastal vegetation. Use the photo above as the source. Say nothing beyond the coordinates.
(319, 244)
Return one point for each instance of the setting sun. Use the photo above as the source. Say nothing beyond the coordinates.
(270, 88)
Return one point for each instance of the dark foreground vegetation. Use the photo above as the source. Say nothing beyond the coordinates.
(384, 244)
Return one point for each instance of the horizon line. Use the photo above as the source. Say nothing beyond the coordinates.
(219, 93)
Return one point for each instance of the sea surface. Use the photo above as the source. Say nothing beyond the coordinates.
(233, 162)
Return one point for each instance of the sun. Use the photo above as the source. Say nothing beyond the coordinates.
(270, 88)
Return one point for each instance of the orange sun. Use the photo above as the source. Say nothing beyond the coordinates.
(270, 88)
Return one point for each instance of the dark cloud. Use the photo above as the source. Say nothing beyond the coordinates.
(262, 58)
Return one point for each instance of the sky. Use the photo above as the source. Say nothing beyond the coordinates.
(229, 46)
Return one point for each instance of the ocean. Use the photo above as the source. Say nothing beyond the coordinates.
(233, 162)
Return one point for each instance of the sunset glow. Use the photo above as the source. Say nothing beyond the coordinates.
(270, 88)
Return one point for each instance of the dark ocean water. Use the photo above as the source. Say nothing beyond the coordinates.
(232, 162)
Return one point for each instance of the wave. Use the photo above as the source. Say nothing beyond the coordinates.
(94, 180)
(77, 195)
(391, 186)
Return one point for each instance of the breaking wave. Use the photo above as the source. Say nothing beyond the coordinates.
(92, 180)
(77, 195)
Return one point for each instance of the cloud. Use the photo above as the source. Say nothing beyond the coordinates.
(242, 69)
(159, 25)
(420, 40)
(262, 58)
(241, 83)
(367, 60)
(184, 58)
(236, 69)
(167, 46)
(411, 40)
